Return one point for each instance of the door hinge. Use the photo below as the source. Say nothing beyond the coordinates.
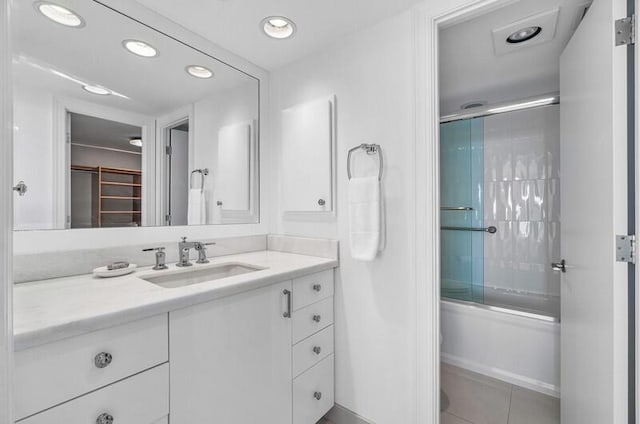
(167, 218)
(626, 31)
(168, 150)
(626, 249)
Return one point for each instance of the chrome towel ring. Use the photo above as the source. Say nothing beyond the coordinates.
(203, 172)
(370, 149)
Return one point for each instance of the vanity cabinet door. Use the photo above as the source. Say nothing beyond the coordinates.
(231, 360)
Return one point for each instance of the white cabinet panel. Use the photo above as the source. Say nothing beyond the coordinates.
(312, 350)
(234, 167)
(141, 399)
(231, 360)
(308, 157)
(312, 288)
(312, 319)
(53, 373)
(313, 394)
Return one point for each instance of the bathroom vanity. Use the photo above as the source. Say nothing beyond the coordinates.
(247, 348)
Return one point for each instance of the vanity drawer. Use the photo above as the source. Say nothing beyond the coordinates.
(141, 399)
(312, 288)
(313, 393)
(312, 350)
(56, 372)
(311, 319)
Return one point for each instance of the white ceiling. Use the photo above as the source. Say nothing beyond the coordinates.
(235, 24)
(43, 50)
(470, 70)
(103, 133)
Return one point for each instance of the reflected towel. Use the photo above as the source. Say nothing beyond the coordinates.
(364, 217)
(197, 207)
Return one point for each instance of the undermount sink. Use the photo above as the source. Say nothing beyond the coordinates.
(200, 275)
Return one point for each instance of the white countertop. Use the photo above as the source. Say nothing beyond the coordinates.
(50, 310)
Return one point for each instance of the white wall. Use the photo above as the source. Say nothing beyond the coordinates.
(371, 75)
(33, 157)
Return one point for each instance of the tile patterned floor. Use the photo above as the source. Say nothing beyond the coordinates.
(477, 399)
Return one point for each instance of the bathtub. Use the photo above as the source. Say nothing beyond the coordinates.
(517, 347)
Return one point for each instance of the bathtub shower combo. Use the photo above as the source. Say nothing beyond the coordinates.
(500, 230)
(500, 210)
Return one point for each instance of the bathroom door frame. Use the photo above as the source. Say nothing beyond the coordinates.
(6, 218)
(428, 18)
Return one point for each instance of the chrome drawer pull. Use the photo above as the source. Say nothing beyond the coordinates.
(316, 318)
(104, 419)
(317, 395)
(317, 287)
(103, 359)
(317, 350)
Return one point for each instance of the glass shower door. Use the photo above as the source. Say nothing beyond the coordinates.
(461, 201)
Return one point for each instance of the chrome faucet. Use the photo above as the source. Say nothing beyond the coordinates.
(184, 248)
(160, 257)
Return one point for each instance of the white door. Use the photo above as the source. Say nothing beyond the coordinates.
(231, 360)
(594, 210)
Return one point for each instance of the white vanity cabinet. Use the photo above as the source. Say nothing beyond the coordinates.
(236, 359)
(231, 360)
(117, 374)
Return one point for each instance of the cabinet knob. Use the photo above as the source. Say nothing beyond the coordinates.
(321, 202)
(317, 350)
(219, 203)
(316, 318)
(103, 359)
(317, 287)
(104, 419)
(317, 395)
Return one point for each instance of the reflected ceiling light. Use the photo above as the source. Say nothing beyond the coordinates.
(59, 14)
(524, 105)
(199, 71)
(136, 142)
(524, 34)
(278, 27)
(140, 48)
(94, 89)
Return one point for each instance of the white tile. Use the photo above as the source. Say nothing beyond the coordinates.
(528, 407)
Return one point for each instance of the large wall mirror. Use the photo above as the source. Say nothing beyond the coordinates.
(119, 125)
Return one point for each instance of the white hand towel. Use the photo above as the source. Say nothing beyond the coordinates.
(364, 217)
(197, 207)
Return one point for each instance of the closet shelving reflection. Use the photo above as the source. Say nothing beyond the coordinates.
(119, 194)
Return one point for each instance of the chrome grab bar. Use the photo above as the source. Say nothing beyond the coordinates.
(455, 208)
(490, 230)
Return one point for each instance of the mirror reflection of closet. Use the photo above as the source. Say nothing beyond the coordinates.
(106, 173)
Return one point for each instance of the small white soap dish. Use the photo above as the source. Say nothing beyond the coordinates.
(105, 272)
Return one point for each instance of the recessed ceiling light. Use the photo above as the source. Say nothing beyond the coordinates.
(59, 14)
(140, 48)
(199, 71)
(524, 34)
(278, 27)
(94, 89)
(136, 142)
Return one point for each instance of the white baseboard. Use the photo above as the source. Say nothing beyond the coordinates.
(341, 415)
(509, 377)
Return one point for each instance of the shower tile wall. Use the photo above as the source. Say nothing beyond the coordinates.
(522, 199)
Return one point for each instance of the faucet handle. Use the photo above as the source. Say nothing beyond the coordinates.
(151, 249)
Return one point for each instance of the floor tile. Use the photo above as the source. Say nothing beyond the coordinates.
(446, 418)
(529, 407)
(476, 398)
